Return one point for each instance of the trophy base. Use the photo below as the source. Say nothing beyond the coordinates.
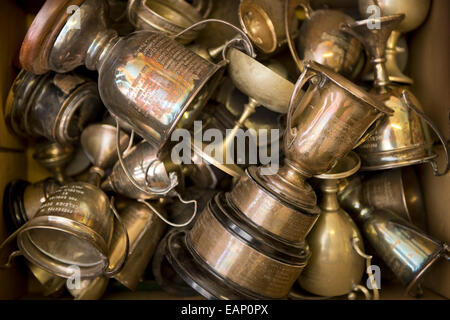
(395, 159)
(196, 273)
(220, 257)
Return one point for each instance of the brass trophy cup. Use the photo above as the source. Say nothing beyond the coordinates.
(265, 218)
(336, 266)
(402, 139)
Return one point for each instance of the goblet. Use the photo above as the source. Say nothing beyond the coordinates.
(402, 139)
(266, 217)
(73, 228)
(263, 21)
(54, 157)
(397, 190)
(415, 13)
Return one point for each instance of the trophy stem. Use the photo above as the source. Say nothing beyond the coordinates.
(381, 75)
(95, 176)
(329, 200)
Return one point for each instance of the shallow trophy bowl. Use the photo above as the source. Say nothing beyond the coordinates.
(259, 82)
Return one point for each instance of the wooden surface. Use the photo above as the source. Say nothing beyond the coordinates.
(13, 26)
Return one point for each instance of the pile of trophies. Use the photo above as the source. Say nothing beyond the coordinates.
(237, 230)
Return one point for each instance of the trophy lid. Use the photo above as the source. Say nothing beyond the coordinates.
(342, 168)
(42, 33)
(374, 33)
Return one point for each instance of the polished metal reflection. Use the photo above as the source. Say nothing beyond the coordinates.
(407, 251)
(145, 229)
(143, 78)
(54, 157)
(147, 168)
(321, 40)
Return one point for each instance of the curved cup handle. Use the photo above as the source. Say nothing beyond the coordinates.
(376, 295)
(407, 101)
(247, 43)
(151, 191)
(112, 272)
(175, 225)
(306, 75)
(8, 246)
(289, 10)
(363, 289)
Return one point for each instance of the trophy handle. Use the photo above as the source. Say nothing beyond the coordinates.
(289, 9)
(407, 101)
(6, 247)
(248, 47)
(163, 191)
(111, 272)
(306, 75)
(175, 225)
(361, 288)
(376, 295)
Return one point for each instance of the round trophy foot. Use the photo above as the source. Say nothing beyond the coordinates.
(165, 275)
(13, 206)
(195, 273)
(392, 161)
(43, 32)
